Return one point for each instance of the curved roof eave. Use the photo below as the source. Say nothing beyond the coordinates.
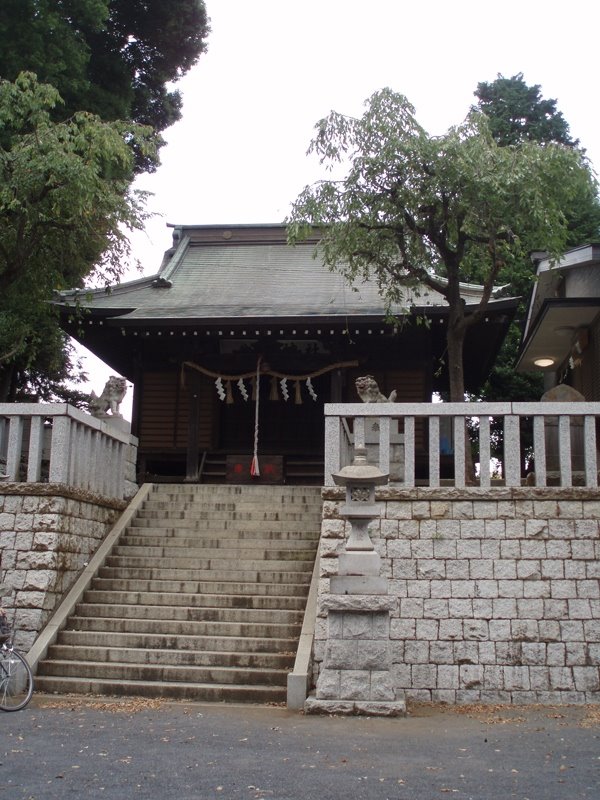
(248, 279)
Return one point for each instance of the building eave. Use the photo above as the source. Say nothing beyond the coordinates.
(555, 332)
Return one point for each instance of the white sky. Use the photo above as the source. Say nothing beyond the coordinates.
(275, 67)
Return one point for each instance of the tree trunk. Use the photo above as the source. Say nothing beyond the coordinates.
(455, 341)
(6, 382)
(456, 375)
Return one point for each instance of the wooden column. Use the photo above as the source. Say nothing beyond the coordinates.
(336, 386)
(192, 462)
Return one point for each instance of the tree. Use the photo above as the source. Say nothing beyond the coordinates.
(51, 375)
(113, 58)
(518, 113)
(66, 204)
(116, 59)
(419, 210)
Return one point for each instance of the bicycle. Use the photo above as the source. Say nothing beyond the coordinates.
(16, 678)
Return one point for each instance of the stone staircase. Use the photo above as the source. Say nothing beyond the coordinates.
(202, 598)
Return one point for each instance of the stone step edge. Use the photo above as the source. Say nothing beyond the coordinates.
(173, 574)
(234, 642)
(236, 554)
(227, 592)
(208, 602)
(103, 608)
(157, 652)
(275, 626)
(205, 596)
(160, 667)
(250, 575)
(128, 688)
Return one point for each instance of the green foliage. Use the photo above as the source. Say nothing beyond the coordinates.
(414, 210)
(113, 58)
(518, 113)
(66, 205)
(62, 216)
(52, 376)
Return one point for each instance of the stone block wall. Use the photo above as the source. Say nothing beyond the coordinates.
(498, 592)
(130, 485)
(47, 535)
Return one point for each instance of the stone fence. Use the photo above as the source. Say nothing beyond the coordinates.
(494, 595)
(426, 443)
(59, 444)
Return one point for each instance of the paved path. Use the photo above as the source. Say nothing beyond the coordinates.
(61, 748)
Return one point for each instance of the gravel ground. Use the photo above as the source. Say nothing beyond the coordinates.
(63, 747)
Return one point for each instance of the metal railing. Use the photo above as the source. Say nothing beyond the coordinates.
(57, 443)
(437, 443)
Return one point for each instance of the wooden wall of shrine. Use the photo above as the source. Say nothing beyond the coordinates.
(179, 413)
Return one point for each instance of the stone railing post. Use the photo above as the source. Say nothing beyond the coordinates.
(60, 450)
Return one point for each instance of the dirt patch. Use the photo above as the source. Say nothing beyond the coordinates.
(125, 705)
(586, 716)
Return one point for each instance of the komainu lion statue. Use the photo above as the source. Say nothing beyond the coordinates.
(369, 392)
(110, 399)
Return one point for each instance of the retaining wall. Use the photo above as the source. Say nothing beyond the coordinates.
(48, 532)
(499, 591)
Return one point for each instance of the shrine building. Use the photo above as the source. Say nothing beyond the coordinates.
(239, 340)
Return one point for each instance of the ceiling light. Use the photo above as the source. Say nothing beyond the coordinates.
(543, 362)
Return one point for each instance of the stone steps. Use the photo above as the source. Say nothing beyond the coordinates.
(178, 690)
(244, 493)
(121, 580)
(199, 554)
(177, 642)
(127, 624)
(202, 598)
(175, 657)
(217, 543)
(106, 670)
(192, 600)
(213, 569)
(201, 575)
(250, 512)
(219, 525)
(191, 613)
(234, 509)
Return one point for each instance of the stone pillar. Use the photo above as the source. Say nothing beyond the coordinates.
(355, 676)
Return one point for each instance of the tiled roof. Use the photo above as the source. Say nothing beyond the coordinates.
(248, 281)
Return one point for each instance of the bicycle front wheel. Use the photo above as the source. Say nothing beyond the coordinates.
(16, 681)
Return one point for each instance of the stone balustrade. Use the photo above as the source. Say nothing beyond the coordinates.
(59, 444)
(558, 438)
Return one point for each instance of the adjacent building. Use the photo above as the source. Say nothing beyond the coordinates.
(562, 331)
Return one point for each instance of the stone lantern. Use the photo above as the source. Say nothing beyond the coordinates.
(359, 557)
(360, 480)
(356, 672)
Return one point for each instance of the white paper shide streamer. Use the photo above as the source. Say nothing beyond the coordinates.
(284, 390)
(220, 389)
(242, 388)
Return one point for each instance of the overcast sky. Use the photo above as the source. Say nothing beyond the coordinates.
(275, 67)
